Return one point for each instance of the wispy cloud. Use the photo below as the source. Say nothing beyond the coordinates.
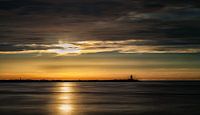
(82, 47)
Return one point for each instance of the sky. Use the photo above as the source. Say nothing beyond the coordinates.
(100, 39)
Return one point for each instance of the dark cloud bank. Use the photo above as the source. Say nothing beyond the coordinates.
(164, 23)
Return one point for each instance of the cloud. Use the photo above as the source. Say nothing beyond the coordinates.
(157, 26)
(82, 47)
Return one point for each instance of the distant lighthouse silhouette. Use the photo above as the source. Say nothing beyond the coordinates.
(131, 77)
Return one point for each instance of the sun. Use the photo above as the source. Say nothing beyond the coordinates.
(66, 49)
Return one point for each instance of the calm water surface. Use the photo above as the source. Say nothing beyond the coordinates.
(100, 98)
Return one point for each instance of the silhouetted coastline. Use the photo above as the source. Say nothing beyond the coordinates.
(130, 79)
(120, 80)
(112, 80)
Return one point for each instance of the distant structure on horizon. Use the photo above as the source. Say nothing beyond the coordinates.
(131, 78)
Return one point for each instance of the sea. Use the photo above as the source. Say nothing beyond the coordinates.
(100, 98)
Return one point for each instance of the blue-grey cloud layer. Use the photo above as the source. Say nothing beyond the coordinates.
(164, 23)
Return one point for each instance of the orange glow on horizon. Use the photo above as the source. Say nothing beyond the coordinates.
(147, 75)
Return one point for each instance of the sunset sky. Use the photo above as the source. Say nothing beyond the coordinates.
(99, 39)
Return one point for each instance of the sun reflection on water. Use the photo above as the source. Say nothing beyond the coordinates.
(65, 89)
(65, 108)
(64, 99)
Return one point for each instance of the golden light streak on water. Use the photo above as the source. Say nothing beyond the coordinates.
(63, 100)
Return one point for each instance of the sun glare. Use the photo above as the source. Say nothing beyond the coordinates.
(65, 49)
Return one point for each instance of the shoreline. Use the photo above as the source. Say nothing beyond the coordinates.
(69, 80)
(17, 81)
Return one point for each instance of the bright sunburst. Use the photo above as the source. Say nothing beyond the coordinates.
(65, 49)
